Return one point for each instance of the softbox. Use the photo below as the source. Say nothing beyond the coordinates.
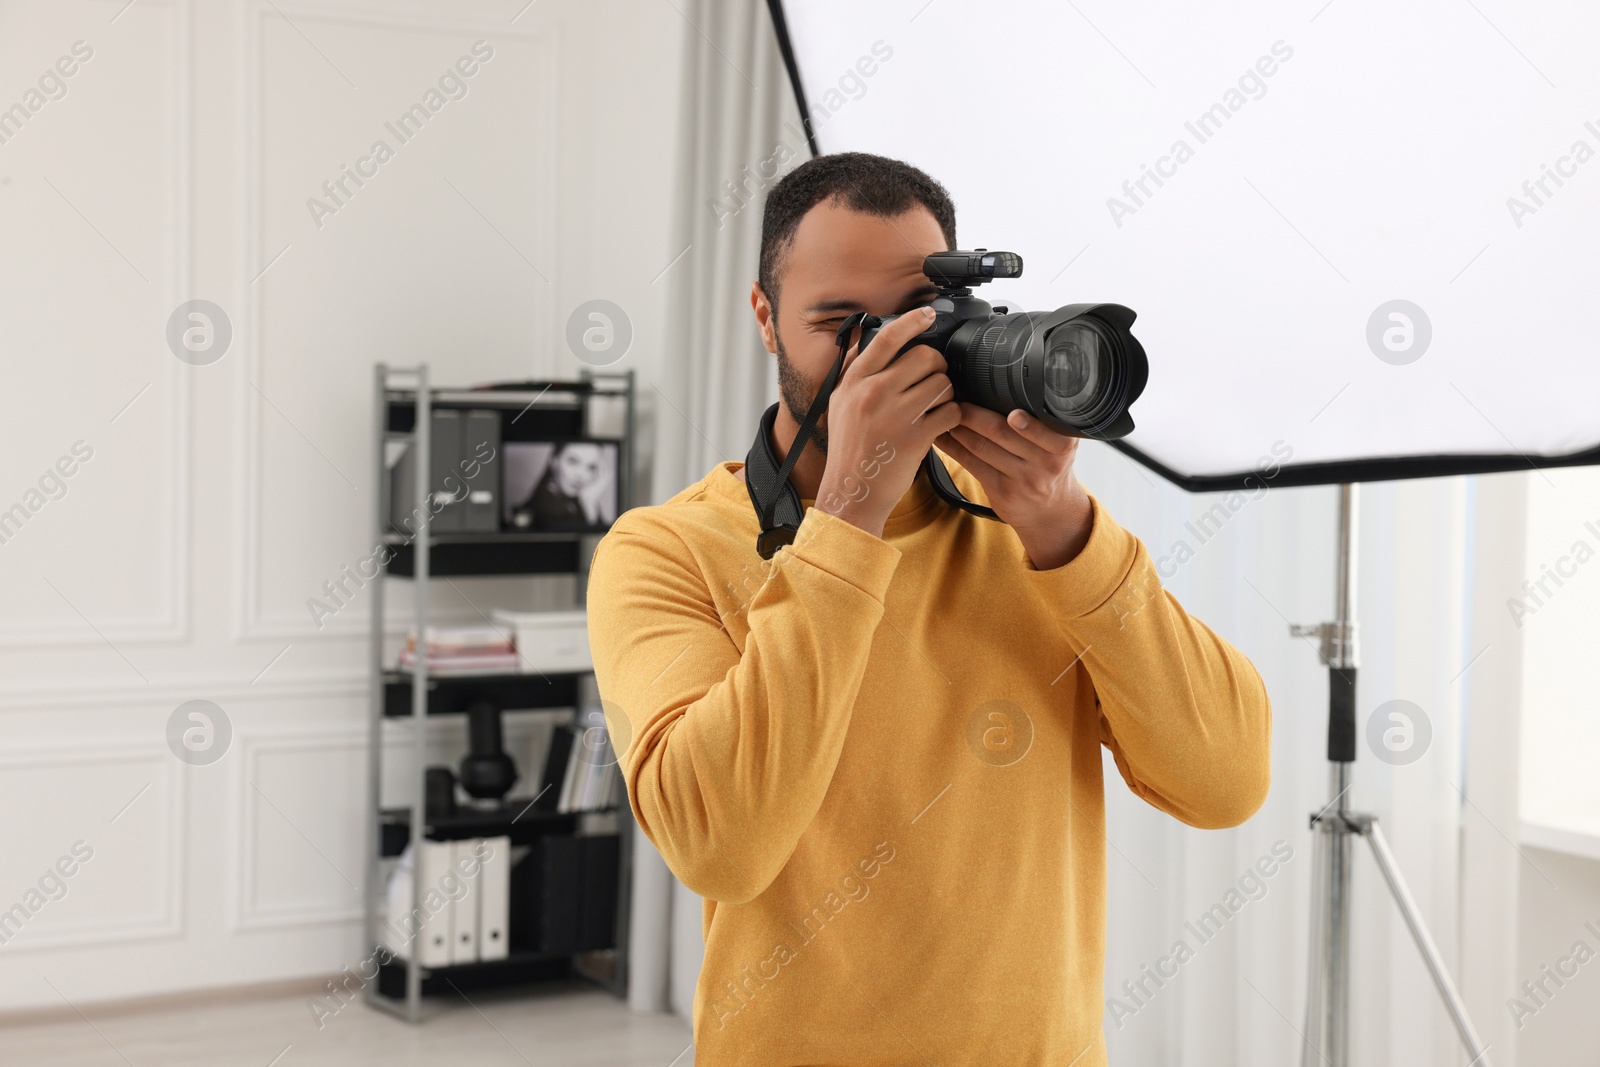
(1361, 244)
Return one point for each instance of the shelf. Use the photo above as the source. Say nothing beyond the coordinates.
(470, 555)
(514, 819)
(549, 409)
(554, 392)
(452, 694)
(558, 412)
(1573, 840)
(496, 537)
(519, 967)
(526, 411)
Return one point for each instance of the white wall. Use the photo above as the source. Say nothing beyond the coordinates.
(1560, 793)
(219, 498)
(1560, 896)
(1558, 617)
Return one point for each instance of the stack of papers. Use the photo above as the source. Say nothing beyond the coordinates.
(463, 649)
(592, 781)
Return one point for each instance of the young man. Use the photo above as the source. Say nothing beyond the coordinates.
(877, 755)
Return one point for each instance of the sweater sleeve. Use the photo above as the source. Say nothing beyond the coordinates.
(727, 756)
(1184, 713)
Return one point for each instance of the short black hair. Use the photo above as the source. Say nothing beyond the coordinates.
(862, 182)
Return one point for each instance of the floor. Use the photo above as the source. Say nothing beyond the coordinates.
(570, 1023)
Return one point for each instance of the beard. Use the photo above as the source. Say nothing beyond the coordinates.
(797, 393)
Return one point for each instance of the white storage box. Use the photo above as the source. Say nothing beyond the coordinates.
(548, 642)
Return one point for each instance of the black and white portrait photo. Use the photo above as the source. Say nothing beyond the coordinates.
(560, 485)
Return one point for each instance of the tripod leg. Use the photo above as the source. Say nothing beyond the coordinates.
(1328, 985)
(1316, 1009)
(1336, 962)
(1425, 945)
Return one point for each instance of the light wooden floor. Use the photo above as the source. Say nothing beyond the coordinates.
(567, 1024)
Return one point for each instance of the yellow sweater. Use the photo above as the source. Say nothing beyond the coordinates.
(878, 760)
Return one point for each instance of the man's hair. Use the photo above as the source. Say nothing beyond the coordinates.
(875, 185)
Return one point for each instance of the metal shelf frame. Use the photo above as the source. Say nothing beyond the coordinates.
(419, 392)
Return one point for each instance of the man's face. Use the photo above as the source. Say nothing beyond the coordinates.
(840, 262)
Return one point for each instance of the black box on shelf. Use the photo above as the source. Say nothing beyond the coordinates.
(480, 469)
(545, 896)
(564, 895)
(602, 859)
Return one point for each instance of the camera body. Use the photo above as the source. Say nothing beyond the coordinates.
(1076, 369)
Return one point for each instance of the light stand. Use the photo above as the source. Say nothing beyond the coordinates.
(1327, 1032)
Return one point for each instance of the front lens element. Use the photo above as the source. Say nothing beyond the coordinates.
(1074, 368)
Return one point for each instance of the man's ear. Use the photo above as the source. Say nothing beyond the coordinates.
(766, 318)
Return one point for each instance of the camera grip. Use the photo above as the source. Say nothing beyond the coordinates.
(934, 336)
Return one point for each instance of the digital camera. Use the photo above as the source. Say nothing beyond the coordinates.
(1076, 369)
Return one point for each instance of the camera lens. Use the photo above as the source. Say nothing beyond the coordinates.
(1073, 368)
(1078, 368)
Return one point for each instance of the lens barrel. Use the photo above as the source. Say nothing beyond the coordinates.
(1077, 369)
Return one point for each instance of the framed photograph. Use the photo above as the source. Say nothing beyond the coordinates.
(565, 484)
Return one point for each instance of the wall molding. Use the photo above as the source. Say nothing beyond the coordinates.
(171, 692)
(443, 733)
(245, 912)
(167, 920)
(251, 621)
(172, 625)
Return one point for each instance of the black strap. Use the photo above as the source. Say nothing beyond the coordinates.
(777, 503)
(945, 486)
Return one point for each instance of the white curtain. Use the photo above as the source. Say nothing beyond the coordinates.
(740, 132)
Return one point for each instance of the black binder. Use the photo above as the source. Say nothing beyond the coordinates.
(480, 437)
(602, 856)
(555, 768)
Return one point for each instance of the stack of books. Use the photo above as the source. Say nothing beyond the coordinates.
(463, 650)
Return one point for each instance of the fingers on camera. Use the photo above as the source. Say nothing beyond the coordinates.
(931, 392)
(917, 366)
(935, 404)
(893, 337)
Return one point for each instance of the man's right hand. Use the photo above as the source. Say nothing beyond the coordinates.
(882, 419)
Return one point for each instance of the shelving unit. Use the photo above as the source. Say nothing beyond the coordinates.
(403, 412)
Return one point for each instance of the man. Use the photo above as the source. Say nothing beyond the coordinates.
(877, 755)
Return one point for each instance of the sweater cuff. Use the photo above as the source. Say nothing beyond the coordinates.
(845, 551)
(1094, 575)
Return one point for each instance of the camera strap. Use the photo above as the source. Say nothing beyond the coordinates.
(777, 503)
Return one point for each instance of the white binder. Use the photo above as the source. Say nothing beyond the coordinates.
(494, 883)
(464, 911)
(436, 934)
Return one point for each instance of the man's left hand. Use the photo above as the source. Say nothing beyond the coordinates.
(1025, 468)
